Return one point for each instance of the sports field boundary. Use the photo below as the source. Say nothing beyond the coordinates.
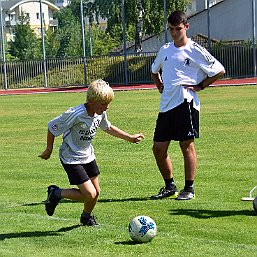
(222, 82)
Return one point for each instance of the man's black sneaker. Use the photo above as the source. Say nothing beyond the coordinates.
(52, 200)
(90, 221)
(172, 193)
(186, 195)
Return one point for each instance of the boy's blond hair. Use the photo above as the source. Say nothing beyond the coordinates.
(100, 91)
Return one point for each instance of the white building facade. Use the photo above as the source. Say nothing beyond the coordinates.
(12, 10)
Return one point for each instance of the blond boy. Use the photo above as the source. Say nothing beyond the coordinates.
(78, 126)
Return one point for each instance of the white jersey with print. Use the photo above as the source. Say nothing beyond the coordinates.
(78, 129)
(187, 65)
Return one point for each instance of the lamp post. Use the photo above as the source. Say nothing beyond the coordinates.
(124, 43)
(2, 46)
(83, 42)
(208, 22)
(165, 21)
(254, 36)
(43, 43)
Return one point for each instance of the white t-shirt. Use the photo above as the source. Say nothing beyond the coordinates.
(187, 65)
(78, 129)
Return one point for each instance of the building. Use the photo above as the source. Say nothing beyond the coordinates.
(13, 9)
(230, 20)
(195, 6)
(62, 3)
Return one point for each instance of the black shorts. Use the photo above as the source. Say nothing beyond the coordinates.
(80, 173)
(179, 124)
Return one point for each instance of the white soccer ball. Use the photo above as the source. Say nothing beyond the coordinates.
(255, 204)
(142, 229)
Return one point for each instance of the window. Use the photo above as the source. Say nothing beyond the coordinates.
(38, 15)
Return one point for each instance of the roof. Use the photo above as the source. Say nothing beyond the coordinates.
(12, 4)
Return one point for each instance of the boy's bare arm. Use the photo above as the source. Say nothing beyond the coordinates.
(114, 131)
(49, 147)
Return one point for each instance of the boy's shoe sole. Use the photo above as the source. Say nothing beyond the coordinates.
(51, 201)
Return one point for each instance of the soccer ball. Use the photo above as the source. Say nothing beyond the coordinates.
(142, 229)
(255, 204)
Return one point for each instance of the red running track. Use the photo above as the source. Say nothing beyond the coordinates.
(224, 82)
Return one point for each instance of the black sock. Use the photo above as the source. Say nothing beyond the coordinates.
(58, 192)
(189, 186)
(169, 183)
(85, 214)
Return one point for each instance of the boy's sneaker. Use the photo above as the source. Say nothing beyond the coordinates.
(164, 192)
(52, 200)
(90, 221)
(186, 195)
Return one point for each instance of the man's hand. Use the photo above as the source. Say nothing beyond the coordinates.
(195, 88)
(160, 88)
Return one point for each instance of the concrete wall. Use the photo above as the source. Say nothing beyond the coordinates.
(230, 20)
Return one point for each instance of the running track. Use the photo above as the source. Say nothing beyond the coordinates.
(225, 82)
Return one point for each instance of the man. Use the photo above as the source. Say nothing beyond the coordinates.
(180, 69)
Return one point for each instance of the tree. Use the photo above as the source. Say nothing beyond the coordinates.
(152, 19)
(67, 40)
(25, 46)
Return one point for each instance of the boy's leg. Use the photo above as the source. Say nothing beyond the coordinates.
(91, 193)
(88, 193)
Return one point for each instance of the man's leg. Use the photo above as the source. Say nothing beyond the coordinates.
(190, 163)
(163, 161)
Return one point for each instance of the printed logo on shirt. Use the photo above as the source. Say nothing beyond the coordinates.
(190, 133)
(187, 62)
(54, 127)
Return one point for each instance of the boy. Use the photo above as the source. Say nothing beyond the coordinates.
(78, 126)
(186, 69)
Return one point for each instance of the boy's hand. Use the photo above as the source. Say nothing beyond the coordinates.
(137, 138)
(46, 154)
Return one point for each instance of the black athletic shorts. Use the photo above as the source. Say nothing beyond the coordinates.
(80, 173)
(179, 124)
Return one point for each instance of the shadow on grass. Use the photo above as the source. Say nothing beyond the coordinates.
(129, 242)
(43, 202)
(37, 233)
(206, 214)
(131, 199)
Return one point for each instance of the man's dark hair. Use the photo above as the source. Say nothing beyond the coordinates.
(177, 17)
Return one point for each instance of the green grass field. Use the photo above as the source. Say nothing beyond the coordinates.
(216, 223)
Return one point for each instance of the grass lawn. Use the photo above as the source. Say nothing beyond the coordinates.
(215, 223)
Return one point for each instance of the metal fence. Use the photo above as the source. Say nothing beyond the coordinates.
(238, 62)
